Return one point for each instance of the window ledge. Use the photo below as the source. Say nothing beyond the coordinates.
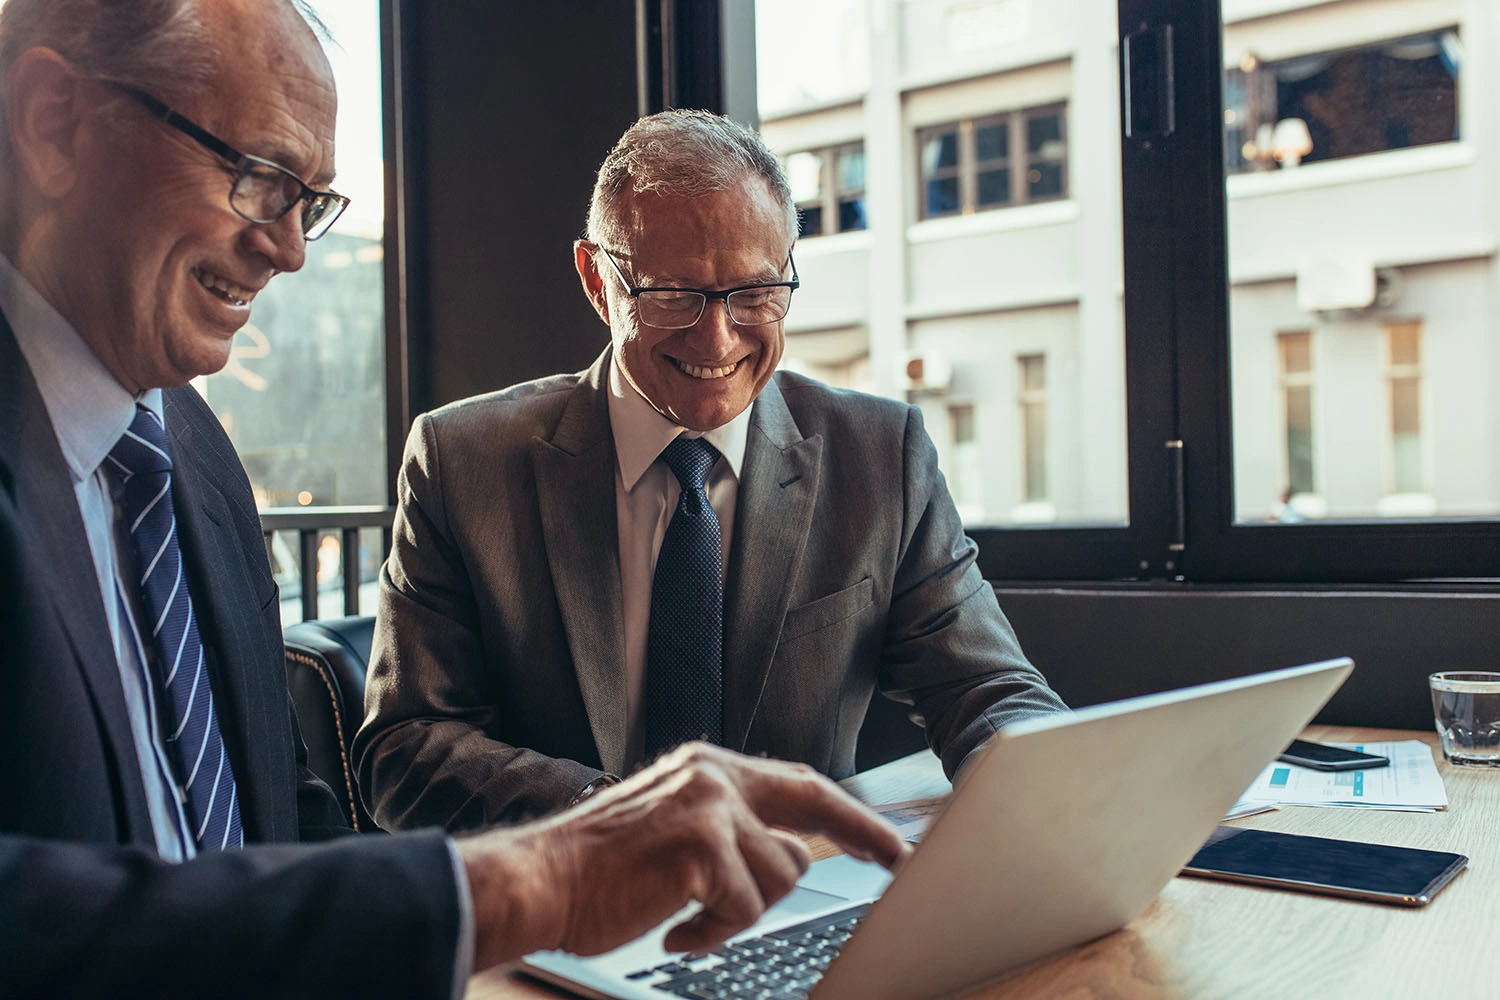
(1000, 300)
(995, 220)
(809, 247)
(812, 106)
(1374, 166)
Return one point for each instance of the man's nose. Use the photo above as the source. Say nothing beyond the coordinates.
(714, 333)
(282, 241)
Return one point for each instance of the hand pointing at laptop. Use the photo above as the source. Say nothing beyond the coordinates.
(702, 824)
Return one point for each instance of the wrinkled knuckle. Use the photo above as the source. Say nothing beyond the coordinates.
(806, 771)
(804, 775)
(697, 754)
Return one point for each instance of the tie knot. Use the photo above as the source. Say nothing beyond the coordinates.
(142, 449)
(690, 459)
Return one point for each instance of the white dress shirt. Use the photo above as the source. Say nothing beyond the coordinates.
(646, 494)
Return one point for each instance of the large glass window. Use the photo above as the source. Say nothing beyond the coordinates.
(1348, 245)
(1286, 263)
(302, 396)
(988, 170)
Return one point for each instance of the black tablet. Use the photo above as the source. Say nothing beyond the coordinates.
(1406, 876)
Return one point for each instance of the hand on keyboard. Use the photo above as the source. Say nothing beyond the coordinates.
(701, 824)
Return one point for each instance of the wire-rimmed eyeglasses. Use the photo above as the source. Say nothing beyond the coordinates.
(262, 191)
(680, 308)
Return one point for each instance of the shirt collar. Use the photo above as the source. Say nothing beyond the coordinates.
(641, 432)
(88, 408)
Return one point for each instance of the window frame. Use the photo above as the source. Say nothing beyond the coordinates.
(1179, 425)
(1259, 81)
(1182, 525)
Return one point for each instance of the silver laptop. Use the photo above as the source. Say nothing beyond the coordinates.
(1063, 830)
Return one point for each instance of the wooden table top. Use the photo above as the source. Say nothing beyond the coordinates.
(1205, 939)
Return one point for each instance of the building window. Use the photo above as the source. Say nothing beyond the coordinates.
(1404, 376)
(1032, 396)
(964, 466)
(828, 186)
(1331, 105)
(993, 162)
(1295, 350)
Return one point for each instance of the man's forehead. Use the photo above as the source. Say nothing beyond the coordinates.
(736, 222)
(274, 97)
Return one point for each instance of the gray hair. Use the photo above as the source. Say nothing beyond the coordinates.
(160, 46)
(683, 154)
(156, 45)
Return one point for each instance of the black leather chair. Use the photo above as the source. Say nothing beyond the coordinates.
(325, 672)
(326, 661)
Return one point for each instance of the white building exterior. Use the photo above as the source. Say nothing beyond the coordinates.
(1016, 311)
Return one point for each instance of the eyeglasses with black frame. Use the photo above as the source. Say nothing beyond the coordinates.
(680, 308)
(262, 191)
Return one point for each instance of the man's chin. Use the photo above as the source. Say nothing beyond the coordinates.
(700, 416)
(195, 365)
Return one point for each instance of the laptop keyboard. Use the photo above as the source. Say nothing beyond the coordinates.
(780, 965)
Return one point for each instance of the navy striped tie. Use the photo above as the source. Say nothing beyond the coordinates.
(685, 638)
(203, 775)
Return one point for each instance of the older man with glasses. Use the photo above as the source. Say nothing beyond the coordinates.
(681, 542)
(152, 785)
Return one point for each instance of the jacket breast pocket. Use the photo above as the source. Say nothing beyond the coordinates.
(830, 610)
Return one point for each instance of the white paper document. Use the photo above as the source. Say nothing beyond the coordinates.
(1249, 807)
(1410, 783)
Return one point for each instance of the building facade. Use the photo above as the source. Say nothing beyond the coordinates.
(958, 167)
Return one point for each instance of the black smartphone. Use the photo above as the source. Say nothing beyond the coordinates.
(1326, 758)
(1381, 873)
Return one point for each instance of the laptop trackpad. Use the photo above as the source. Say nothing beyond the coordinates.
(839, 877)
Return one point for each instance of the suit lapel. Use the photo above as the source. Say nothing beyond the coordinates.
(575, 477)
(44, 492)
(778, 484)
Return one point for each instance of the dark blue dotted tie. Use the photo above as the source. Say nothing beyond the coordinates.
(685, 640)
(203, 774)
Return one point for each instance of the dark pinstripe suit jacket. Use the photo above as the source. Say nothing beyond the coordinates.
(86, 907)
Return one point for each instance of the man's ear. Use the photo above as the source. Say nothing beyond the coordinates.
(588, 272)
(44, 109)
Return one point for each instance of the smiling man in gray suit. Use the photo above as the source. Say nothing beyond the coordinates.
(525, 651)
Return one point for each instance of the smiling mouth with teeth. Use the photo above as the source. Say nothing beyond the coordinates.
(698, 371)
(225, 289)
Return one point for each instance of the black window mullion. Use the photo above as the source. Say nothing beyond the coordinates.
(1143, 548)
(1153, 253)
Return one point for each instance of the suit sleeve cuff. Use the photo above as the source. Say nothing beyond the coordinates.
(598, 784)
(463, 959)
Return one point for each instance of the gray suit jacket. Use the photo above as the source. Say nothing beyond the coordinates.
(88, 907)
(497, 681)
